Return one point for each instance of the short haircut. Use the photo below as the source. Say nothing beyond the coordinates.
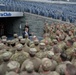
(70, 41)
(63, 56)
(71, 69)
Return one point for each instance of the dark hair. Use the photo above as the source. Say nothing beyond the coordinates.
(70, 41)
(63, 56)
(71, 69)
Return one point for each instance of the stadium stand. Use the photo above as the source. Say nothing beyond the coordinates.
(56, 11)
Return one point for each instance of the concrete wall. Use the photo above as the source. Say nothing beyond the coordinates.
(35, 22)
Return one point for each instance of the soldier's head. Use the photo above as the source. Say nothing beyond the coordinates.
(45, 35)
(42, 46)
(69, 42)
(13, 43)
(32, 52)
(19, 47)
(46, 64)
(56, 49)
(15, 36)
(70, 69)
(4, 37)
(1, 46)
(50, 54)
(34, 38)
(19, 38)
(29, 67)
(26, 36)
(6, 56)
(8, 42)
(54, 41)
(4, 41)
(36, 42)
(22, 41)
(13, 66)
(63, 56)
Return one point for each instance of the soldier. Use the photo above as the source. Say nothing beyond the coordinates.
(13, 68)
(13, 48)
(74, 58)
(27, 40)
(36, 61)
(29, 67)
(57, 53)
(61, 44)
(69, 51)
(6, 58)
(70, 69)
(19, 38)
(50, 55)
(20, 56)
(25, 47)
(46, 28)
(16, 38)
(4, 41)
(36, 45)
(8, 44)
(62, 66)
(2, 49)
(46, 38)
(4, 37)
(42, 53)
(46, 65)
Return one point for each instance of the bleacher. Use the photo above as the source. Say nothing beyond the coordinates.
(56, 11)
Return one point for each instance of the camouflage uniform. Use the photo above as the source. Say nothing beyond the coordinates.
(3, 66)
(16, 38)
(29, 67)
(50, 55)
(61, 68)
(13, 68)
(27, 40)
(42, 53)
(20, 55)
(46, 65)
(25, 47)
(69, 52)
(13, 46)
(36, 61)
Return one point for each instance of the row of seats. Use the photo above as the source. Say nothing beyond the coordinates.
(65, 12)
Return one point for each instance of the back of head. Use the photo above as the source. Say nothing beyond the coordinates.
(32, 52)
(29, 67)
(6, 56)
(4, 37)
(1, 46)
(63, 56)
(70, 69)
(13, 65)
(46, 64)
(15, 35)
(19, 47)
(22, 41)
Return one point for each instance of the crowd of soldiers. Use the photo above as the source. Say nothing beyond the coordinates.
(55, 54)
